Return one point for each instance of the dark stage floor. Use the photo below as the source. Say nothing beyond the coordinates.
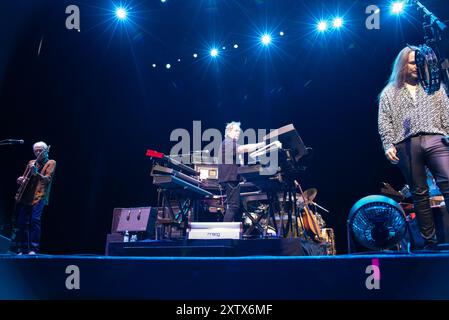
(402, 276)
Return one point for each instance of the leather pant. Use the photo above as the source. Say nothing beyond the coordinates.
(415, 154)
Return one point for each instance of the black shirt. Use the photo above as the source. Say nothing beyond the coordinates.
(227, 161)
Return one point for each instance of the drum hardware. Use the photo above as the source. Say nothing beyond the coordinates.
(302, 226)
(328, 237)
(306, 216)
(317, 205)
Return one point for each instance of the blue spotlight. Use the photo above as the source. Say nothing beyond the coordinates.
(282, 33)
(397, 7)
(337, 23)
(213, 52)
(121, 13)
(322, 26)
(266, 39)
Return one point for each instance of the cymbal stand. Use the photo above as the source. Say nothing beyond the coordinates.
(317, 205)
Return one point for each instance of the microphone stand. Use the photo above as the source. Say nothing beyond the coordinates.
(13, 217)
(436, 36)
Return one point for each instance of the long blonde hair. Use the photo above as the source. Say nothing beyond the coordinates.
(400, 67)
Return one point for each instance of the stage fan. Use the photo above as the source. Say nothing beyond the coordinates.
(377, 222)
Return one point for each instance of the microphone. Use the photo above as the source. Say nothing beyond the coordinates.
(14, 141)
(11, 141)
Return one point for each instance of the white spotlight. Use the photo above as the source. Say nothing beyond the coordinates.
(266, 39)
(397, 7)
(154, 65)
(214, 52)
(168, 65)
(322, 26)
(236, 46)
(121, 13)
(337, 23)
(282, 33)
(195, 55)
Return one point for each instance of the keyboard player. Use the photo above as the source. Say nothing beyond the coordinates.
(229, 159)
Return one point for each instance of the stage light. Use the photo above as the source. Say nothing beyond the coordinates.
(282, 33)
(214, 53)
(168, 66)
(236, 46)
(224, 48)
(121, 13)
(322, 26)
(154, 65)
(195, 55)
(163, 1)
(266, 39)
(397, 7)
(179, 60)
(337, 23)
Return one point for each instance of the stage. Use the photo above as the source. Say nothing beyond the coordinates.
(224, 151)
(261, 278)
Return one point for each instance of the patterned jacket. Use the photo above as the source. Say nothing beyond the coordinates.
(401, 116)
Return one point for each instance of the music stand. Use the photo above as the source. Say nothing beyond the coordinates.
(290, 140)
(294, 149)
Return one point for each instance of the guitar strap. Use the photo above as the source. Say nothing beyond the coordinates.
(43, 165)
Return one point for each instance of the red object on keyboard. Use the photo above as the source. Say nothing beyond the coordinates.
(154, 154)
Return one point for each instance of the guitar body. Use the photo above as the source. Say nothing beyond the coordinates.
(28, 175)
(311, 225)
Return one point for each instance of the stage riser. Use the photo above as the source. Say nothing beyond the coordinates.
(266, 278)
(216, 248)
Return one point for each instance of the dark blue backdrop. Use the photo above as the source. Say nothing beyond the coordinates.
(95, 98)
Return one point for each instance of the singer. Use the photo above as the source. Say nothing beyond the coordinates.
(32, 197)
(412, 125)
(228, 169)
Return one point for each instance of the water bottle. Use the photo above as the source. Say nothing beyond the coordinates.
(126, 236)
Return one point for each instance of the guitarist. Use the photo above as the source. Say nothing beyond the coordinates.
(32, 197)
